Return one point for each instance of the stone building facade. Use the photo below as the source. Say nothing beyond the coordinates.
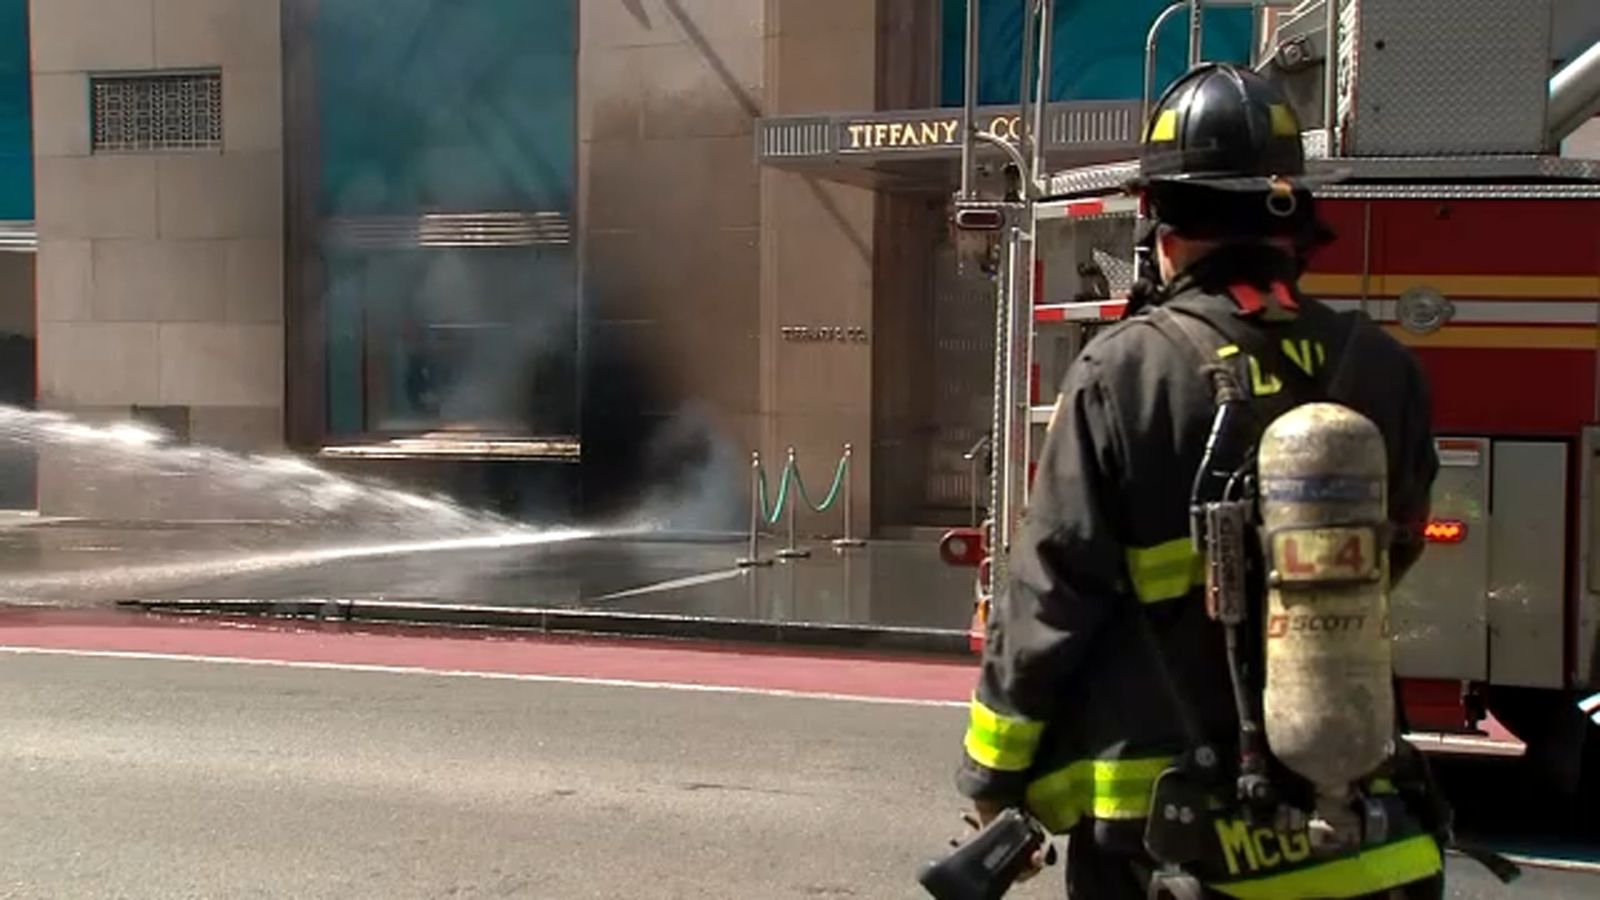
(393, 233)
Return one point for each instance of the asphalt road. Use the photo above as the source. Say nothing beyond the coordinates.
(148, 778)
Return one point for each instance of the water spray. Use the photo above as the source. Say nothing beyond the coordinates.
(369, 520)
(170, 575)
(278, 484)
(388, 522)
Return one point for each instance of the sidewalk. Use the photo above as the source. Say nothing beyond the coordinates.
(886, 595)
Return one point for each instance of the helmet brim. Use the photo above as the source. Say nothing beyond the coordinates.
(1242, 184)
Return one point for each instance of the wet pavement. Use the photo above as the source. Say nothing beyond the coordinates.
(885, 585)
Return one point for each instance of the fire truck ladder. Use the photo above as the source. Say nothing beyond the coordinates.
(1012, 223)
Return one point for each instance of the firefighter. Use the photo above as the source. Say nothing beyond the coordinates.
(1101, 663)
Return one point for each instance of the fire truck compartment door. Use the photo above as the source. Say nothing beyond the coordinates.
(1527, 564)
(1588, 620)
(1440, 610)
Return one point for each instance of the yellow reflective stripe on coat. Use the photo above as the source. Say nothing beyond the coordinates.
(1166, 571)
(1099, 788)
(1004, 743)
(1369, 872)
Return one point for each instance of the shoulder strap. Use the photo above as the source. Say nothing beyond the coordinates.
(1193, 331)
(1189, 334)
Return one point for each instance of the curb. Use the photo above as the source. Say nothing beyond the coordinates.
(813, 635)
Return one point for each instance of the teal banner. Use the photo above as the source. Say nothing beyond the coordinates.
(16, 113)
(1098, 49)
(447, 104)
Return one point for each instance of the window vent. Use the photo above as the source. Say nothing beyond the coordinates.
(156, 111)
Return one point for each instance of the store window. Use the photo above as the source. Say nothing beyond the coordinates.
(446, 171)
(1098, 52)
(18, 310)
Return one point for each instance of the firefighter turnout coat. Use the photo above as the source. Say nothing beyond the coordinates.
(1073, 716)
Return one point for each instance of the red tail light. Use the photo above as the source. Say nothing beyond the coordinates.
(980, 219)
(962, 547)
(1445, 531)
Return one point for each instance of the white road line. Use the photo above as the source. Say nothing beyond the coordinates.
(488, 676)
(1552, 862)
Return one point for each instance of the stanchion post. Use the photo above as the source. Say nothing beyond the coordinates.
(754, 559)
(973, 459)
(849, 540)
(793, 551)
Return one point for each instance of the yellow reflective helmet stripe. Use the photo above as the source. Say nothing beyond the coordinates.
(1368, 872)
(1166, 571)
(1101, 788)
(1165, 127)
(1001, 742)
(1284, 123)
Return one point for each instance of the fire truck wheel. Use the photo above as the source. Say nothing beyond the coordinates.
(1587, 796)
(1563, 755)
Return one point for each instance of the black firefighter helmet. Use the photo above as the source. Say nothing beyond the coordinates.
(1222, 155)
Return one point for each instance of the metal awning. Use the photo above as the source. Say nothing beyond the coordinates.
(920, 150)
(1092, 147)
(473, 447)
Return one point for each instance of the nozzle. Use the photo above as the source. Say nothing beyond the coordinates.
(986, 866)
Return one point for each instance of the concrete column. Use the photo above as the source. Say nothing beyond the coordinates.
(817, 248)
(905, 386)
(159, 273)
(669, 91)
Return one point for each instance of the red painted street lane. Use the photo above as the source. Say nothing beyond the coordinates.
(492, 654)
(442, 650)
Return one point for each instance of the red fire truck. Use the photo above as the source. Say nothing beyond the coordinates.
(1463, 230)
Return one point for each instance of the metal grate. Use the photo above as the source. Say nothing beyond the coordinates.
(1105, 242)
(963, 346)
(157, 111)
(798, 137)
(462, 229)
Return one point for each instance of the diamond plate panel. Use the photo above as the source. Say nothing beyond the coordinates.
(1092, 180)
(1101, 246)
(1449, 77)
(1463, 192)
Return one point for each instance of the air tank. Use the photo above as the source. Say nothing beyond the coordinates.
(1329, 699)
